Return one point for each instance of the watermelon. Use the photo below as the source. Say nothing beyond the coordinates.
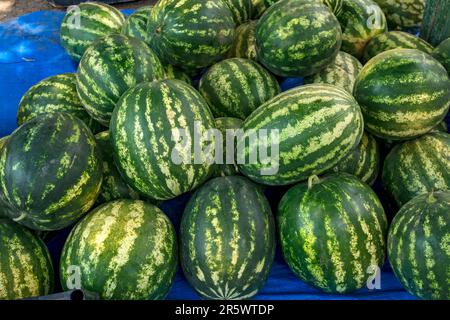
(297, 38)
(240, 9)
(317, 126)
(334, 5)
(394, 40)
(113, 186)
(361, 20)
(259, 7)
(50, 172)
(236, 87)
(227, 239)
(180, 36)
(442, 54)
(151, 132)
(227, 127)
(403, 93)
(244, 45)
(403, 14)
(87, 22)
(418, 166)
(3, 141)
(110, 67)
(175, 73)
(332, 232)
(136, 24)
(54, 94)
(342, 72)
(122, 250)
(25, 266)
(418, 246)
(363, 161)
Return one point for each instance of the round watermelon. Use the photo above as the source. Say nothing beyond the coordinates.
(227, 239)
(240, 9)
(87, 22)
(50, 172)
(418, 246)
(418, 166)
(244, 45)
(297, 38)
(136, 24)
(123, 250)
(442, 54)
(403, 93)
(403, 14)
(333, 232)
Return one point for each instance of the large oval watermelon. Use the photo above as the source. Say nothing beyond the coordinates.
(297, 38)
(333, 232)
(442, 54)
(244, 45)
(227, 239)
(50, 171)
(240, 9)
(317, 126)
(109, 68)
(136, 24)
(418, 246)
(403, 14)
(25, 266)
(152, 133)
(418, 166)
(403, 93)
(125, 249)
(87, 22)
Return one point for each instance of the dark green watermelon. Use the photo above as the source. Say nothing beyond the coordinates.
(442, 54)
(136, 24)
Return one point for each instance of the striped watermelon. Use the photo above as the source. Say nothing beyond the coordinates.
(342, 72)
(332, 232)
(50, 172)
(318, 125)
(297, 38)
(403, 93)
(418, 246)
(403, 14)
(259, 7)
(2, 210)
(442, 54)
(244, 45)
(363, 161)
(143, 134)
(236, 87)
(136, 24)
(113, 186)
(25, 266)
(225, 124)
(125, 249)
(241, 10)
(227, 239)
(54, 94)
(361, 20)
(175, 73)
(87, 22)
(180, 36)
(334, 5)
(110, 67)
(418, 166)
(394, 40)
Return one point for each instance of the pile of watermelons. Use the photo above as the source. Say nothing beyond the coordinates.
(132, 128)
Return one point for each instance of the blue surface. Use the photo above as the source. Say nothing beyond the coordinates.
(30, 51)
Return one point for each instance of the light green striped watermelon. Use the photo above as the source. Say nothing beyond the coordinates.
(260, 6)
(394, 40)
(150, 128)
(50, 172)
(418, 246)
(241, 10)
(25, 266)
(403, 14)
(228, 128)
(123, 250)
(236, 87)
(342, 72)
(442, 54)
(361, 20)
(244, 45)
(418, 166)
(178, 74)
(54, 94)
(297, 38)
(136, 24)
(403, 93)
(109, 68)
(333, 232)
(363, 161)
(317, 125)
(87, 22)
(227, 239)
(191, 34)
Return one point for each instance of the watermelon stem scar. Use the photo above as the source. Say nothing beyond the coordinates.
(312, 180)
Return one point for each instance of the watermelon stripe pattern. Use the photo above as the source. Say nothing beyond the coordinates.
(25, 266)
(136, 24)
(225, 124)
(227, 239)
(402, 14)
(442, 54)
(317, 125)
(244, 45)
(241, 10)
(173, 73)
(123, 250)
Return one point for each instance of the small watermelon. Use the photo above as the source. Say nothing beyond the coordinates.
(442, 54)
(227, 127)
(136, 24)
(418, 246)
(241, 10)
(244, 45)
(403, 14)
(227, 239)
